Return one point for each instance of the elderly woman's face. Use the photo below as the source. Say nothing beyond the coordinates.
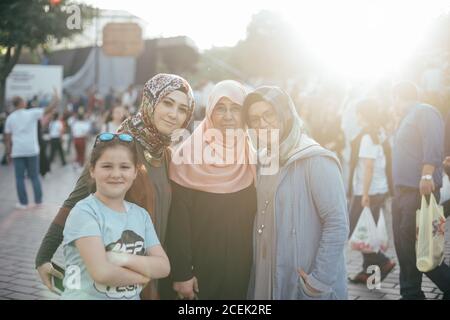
(227, 115)
(262, 116)
(171, 112)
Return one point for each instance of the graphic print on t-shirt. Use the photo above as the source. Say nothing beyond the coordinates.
(131, 243)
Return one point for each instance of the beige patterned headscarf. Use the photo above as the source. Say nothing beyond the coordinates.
(141, 126)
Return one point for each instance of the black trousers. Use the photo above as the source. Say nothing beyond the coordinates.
(56, 146)
(406, 203)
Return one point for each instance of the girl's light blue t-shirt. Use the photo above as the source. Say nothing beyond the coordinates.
(131, 232)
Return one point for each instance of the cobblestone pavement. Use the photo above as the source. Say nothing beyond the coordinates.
(21, 233)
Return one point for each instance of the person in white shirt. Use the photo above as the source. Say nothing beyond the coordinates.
(22, 146)
(370, 178)
(80, 132)
(56, 130)
(114, 119)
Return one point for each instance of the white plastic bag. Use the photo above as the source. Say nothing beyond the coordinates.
(430, 223)
(382, 234)
(364, 238)
(445, 189)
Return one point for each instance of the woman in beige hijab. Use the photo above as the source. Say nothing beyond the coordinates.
(211, 218)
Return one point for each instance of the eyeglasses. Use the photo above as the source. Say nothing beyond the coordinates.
(107, 136)
(269, 118)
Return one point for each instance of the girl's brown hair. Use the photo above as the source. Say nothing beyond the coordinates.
(101, 146)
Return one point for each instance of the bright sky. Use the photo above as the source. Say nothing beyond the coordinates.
(382, 32)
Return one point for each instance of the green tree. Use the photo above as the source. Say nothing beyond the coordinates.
(34, 23)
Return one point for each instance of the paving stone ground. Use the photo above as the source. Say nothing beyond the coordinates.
(22, 231)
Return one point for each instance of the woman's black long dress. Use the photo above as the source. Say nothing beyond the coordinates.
(210, 237)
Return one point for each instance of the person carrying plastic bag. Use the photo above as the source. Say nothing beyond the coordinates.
(371, 177)
(417, 156)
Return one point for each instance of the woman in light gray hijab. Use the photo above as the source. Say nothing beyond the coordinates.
(301, 226)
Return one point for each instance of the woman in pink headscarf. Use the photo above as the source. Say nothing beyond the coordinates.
(210, 224)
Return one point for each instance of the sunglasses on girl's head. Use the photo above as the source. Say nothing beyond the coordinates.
(107, 136)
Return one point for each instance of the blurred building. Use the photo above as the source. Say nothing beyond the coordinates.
(86, 67)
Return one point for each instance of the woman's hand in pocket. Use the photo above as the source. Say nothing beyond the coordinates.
(304, 276)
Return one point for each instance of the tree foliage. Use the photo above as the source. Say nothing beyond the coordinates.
(271, 49)
(30, 24)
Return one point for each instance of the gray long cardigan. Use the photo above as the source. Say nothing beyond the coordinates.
(311, 226)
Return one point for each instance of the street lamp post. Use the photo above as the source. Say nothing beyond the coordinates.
(96, 49)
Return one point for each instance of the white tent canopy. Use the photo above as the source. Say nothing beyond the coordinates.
(115, 72)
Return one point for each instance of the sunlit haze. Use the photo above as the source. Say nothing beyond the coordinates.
(358, 38)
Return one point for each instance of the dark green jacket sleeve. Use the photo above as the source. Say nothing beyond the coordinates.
(54, 235)
(82, 189)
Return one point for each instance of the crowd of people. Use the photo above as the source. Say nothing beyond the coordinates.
(154, 220)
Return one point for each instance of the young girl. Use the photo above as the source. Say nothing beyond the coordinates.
(110, 245)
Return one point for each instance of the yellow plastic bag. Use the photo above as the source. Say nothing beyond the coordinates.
(430, 224)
